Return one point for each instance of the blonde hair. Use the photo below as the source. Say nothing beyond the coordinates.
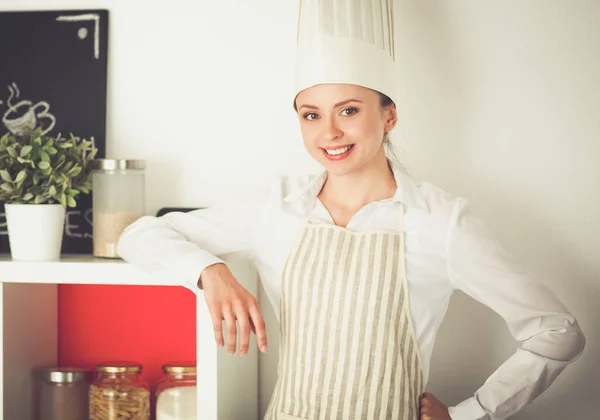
(390, 151)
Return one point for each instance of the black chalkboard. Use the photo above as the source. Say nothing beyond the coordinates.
(57, 60)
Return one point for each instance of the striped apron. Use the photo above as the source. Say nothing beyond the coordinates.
(347, 344)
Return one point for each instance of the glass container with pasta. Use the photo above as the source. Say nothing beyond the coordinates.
(119, 393)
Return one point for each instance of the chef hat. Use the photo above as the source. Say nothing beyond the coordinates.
(346, 42)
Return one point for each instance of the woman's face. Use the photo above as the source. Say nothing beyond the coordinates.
(343, 125)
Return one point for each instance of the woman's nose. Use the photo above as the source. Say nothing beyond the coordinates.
(331, 130)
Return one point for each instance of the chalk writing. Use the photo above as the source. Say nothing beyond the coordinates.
(24, 116)
(82, 33)
(75, 223)
(3, 225)
(88, 16)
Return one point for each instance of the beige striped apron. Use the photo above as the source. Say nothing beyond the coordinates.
(347, 344)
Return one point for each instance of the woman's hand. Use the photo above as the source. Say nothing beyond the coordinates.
(229, 301)
(433, 409)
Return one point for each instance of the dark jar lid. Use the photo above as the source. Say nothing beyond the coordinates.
(64, 375)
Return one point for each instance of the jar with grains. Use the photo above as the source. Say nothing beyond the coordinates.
(119, 393)
(63, 393)
(118, 189)
(176, 392)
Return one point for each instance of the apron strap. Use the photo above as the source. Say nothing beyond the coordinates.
(401, 218)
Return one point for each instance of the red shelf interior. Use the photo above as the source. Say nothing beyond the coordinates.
(151, 325)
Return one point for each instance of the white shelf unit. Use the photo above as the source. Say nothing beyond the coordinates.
(227, 385)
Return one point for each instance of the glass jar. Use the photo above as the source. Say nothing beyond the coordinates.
(63, 393)
(119, 392)
(118, 188)
(176, 392)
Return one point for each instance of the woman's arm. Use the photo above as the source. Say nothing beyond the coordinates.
(551, 338)
(182, 245)
(187, 247)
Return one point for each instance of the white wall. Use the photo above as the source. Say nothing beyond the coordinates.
(501, 106)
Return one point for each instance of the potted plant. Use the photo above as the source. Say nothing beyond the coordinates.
(41, 176)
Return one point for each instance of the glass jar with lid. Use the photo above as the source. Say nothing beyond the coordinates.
(176, 392)
(118, 190)
(63, 393)
(119, 392)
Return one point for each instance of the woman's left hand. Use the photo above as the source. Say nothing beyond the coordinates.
(432, 408)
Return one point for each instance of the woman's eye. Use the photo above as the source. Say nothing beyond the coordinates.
(310, 116)
(349, 111)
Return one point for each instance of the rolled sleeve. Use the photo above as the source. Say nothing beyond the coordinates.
(469, 409)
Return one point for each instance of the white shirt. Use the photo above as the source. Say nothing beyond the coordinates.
(447, 248)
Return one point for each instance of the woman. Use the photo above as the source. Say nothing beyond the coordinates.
(360, 261)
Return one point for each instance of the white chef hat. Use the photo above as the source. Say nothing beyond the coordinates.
(346, 42)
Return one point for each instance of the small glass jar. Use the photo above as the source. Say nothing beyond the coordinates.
(63, 393)
(118, 190)
(176, 392)
(119, 392)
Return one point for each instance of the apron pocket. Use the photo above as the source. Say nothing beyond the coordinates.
(284, 416)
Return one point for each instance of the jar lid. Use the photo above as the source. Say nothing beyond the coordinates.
(60, 375)
(119, 367)
(117, 164)
(179, 368)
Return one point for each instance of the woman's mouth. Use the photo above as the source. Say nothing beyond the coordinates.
(338, 153)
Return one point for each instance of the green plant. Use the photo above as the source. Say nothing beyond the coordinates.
(38, 169)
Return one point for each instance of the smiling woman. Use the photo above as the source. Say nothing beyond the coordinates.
(348, 108)
(360, 261)
(343, 126)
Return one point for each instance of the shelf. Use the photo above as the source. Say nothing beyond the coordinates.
(227, 386)
(78, 269)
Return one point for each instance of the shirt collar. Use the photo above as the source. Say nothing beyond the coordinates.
(407, 191)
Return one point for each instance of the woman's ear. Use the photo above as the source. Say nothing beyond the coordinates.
(391, 117)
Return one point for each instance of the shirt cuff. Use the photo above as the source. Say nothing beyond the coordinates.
(188, 267)
(468, 410)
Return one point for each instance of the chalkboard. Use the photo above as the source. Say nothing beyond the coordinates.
(54, 63)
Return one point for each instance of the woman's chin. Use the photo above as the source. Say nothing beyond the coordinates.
(340, 168)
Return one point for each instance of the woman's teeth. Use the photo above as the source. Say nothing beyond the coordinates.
(338, 151)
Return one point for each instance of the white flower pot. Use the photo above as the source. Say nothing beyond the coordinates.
(35, 231)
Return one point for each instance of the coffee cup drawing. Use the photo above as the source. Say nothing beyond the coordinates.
(23, 117)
